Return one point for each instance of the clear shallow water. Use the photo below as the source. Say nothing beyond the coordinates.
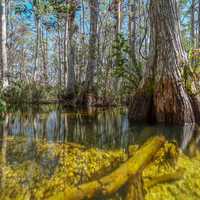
(93, 127)
(36, 155)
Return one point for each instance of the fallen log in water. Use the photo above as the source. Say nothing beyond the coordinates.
(174, 176)
(135, 188)
(113, 182)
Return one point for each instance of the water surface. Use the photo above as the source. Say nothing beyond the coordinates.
(93, 127)
(42, 148)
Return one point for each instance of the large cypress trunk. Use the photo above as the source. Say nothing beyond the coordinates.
(162, 96)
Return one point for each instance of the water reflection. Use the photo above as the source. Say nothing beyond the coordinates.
(103, 128)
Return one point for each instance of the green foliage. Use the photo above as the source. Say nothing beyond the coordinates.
(21, 92)
(190, 72)
(131, 74)
(120, 54)
(41, 8)
(187, 78)
(2, 106)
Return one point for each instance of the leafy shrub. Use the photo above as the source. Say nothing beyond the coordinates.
(22, 92)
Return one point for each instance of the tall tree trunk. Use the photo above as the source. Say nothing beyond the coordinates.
(3, 46)
(117, 14)
(70, 60)
(44, 53)
(193, 23)
(198, 42)
(162, 96)
(89, 81)
(70, 28)
(132, 31)
(59, 58)
(36, 58)
(65, 51)
(117, 26)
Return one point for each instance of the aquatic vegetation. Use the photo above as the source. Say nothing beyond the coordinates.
(46, 168)
(186, 187)
(35, 169)
(167, 156)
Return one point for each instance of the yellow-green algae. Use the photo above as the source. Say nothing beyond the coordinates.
(66, 165)
(187, 188)
(47, 168)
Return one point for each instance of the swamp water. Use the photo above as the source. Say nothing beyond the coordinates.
(45, 150)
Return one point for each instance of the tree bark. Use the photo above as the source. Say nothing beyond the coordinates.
(59, 57)
(89, 81)
(162, 96)
(117, 15)
(70, 76)
(193, 23)
(117, 29)
(3, 44)
(135, 188)
(132, 31)
(36, 59)
(198, 42)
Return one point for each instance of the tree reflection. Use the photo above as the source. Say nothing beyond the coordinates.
(103, 128)
(4, 132)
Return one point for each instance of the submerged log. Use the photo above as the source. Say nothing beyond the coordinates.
(111, 183)
(174, 176)
(135, 188)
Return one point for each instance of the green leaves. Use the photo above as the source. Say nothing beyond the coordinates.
(120, 53)
(130, 73)
(2, 106)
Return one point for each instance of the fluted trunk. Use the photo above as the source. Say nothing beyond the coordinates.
(162, 96)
